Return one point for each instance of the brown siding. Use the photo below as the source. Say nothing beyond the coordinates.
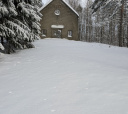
(67, 18)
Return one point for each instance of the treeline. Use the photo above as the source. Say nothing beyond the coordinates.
(103, 21)
(19, 24)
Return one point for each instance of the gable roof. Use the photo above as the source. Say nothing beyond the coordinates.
(63, 1)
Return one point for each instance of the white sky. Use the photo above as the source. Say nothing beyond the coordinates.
(44, 1)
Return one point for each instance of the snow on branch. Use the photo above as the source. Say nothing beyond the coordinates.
(6, 32)
(1, 47)
(3, 11)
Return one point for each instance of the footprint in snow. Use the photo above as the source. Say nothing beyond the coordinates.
(53, 110)
(10, 92)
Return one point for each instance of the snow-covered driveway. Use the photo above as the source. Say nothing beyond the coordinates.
(65, 77)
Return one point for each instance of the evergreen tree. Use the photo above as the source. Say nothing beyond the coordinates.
(28, 14)
(7, 26)
(19, 24)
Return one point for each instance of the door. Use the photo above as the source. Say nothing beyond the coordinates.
(56, 33)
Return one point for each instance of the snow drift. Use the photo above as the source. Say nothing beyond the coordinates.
(65, 77)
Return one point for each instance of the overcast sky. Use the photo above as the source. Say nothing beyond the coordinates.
(44, 1)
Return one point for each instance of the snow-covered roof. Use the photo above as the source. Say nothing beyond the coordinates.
(63, 1)
(45, 5)
(70, 7)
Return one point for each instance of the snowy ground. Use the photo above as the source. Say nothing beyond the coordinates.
(65, 77)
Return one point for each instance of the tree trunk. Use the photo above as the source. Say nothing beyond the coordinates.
(8, 46)
(127, 36)
(121, 25)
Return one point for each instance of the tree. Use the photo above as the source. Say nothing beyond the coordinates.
(19, 23)
(75, 4)
(38, 3)
(115, 12)
(8, 12)
(29, 15)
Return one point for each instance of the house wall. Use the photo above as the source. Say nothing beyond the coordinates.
(67, 18)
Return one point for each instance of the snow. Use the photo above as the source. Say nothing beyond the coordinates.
(1, 47)
(61, 76)
(1, 55)
(83, 2)
(57, 26)
(47, 3)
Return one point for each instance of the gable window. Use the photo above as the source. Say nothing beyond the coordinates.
(57, 12)
(44, 32)
(70, 33)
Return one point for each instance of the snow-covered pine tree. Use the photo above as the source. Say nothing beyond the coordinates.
(15, 29)
(38, 3)
(7, 26)
(29, 15)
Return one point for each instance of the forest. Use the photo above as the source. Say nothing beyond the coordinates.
(101, 21)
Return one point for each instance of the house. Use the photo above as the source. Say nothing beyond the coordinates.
(59, 20)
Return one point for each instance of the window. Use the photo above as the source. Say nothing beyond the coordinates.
(57, 12)
(70, 33)
(44, 32)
